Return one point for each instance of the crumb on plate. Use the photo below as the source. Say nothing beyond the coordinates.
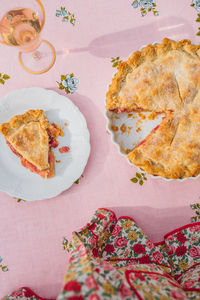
(114, 128)
(64, 149)
(152, 116)
(143, 117)
(123, 128)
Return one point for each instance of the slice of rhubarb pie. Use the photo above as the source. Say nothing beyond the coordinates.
(30, 136)
(163, 78)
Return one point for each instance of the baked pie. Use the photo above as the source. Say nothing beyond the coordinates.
(31, 137)
(163, 78)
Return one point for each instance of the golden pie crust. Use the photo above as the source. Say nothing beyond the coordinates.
(29, 136)
(163, 78)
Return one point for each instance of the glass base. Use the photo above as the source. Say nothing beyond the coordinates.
(39, 61)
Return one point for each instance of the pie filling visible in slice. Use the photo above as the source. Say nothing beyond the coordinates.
(163, 78)
(30, 136)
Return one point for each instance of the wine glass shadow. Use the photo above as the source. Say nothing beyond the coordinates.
(156, 222)
(122, 43)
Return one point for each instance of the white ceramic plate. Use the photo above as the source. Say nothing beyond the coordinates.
(19, 182)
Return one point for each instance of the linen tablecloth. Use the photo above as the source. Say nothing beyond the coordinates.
(31, 234)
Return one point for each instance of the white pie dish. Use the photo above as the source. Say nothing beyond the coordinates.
(124, 140)
(18, 181)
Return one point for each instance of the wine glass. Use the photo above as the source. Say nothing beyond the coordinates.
(21, 23)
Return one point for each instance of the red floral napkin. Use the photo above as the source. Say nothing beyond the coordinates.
(114, 259)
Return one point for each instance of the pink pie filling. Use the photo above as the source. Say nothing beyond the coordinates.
(64, 149)
(53, 143)
(147, 137)
(48, 173)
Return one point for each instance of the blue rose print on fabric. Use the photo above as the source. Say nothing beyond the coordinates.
(68, 83)
(71, 83)
(196, 4)
(66, 15)
(146, 6)
(63, 11)
(58, 13)
(3, 268)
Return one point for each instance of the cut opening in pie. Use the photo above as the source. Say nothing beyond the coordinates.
(31, 137)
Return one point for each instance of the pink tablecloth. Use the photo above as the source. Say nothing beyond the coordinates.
(31, 234)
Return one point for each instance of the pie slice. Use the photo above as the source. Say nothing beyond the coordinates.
(31, 137)
(163, 78)
(153, 154)
(185, 149)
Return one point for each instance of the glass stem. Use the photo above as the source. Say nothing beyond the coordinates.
(36, 55)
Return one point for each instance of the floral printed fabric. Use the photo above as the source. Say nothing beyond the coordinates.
(129, 243)
(183, 247)
(154, 285)
(114, 259)
(23, 294)
(190, 279)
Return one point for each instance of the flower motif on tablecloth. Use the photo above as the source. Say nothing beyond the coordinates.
(3, 78)
(196, 208)
(139, 178)
(19, 200)
(115, 61)
(67, 246)
(146, 6)
(78, 180)
(3, 268)
(66, 15)
(196, 5)
(68, 83)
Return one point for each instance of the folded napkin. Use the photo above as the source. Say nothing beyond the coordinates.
(114, 259)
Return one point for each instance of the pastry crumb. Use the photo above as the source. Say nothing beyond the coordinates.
(61, 133)
(129, 129)
(65, 124)
(127, 151)
(130, 115)
(152, 116)
(143, 117)
(58, 161)
(138, 129)
(123, 128)
(114, 128)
